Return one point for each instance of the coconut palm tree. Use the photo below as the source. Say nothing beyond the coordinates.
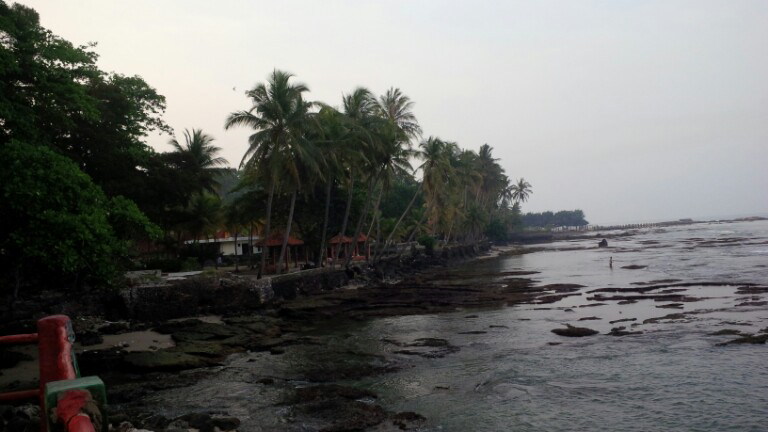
(198, 157)
(436, 170)
(397, 108)
(364, 126)
(521, 191)
(278, 116)
(204, 211)
(330, 134)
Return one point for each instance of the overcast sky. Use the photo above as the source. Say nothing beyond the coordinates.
(630, 110)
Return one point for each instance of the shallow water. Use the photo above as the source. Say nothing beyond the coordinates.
(512, 373)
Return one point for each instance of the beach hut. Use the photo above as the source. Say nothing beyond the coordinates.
(348, 246)
(273, 244)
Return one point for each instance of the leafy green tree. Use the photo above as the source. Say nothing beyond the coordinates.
(42, 79)
(56, 220)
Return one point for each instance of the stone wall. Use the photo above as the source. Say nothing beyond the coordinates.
(214, 295)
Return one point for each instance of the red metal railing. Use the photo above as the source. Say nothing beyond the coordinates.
(54, 340)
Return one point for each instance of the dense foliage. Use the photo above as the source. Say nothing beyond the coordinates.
(75, 164)
(563, 218)
(82, 188)
(56, 221)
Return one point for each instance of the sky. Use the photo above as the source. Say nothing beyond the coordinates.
(630, 110)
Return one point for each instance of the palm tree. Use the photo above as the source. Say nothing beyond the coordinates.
(490, 170)
(330, 135)
(521, 191)
(436, 171)
(397, 108)
(279, 117)
(204, 211)
(364, 124)
(198, 156)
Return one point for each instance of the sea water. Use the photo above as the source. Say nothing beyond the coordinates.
(511, 373)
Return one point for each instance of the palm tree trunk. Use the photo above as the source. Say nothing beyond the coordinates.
(321, 255)
(264, 248)
(402, 216)
(250, 246)
(287, 233)
(237, 268)
(413, 233)
(343, 231)
(374, 218)
(362, 217)
(448, 236)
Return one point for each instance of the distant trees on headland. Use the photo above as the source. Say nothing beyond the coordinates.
(548, 219)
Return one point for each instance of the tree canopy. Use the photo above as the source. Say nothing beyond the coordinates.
(56, 220)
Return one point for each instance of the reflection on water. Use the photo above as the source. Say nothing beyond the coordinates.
(512, 373)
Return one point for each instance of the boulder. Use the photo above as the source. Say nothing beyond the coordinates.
(571, 331)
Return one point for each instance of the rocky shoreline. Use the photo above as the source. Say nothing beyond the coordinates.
(209, 327)
(254, 318)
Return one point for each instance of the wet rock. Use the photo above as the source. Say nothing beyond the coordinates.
(240, 340)
(589, 318)
(621, 331)
(562, 287)
(671, 306)
(201, 421)
(175, 326)
(670, 317)
(752, 290)
(155, 422)
(673, 290)
(340, 408)
(114, 328)
(208, 349)
(226, 423)
(408, 420)
(753, 303)
(654, 297)
(571, 331)
(162, 361)
(547, 299)
(622, 320)
(89, 338)
(603, 243)
(657, 282)
(749, 339)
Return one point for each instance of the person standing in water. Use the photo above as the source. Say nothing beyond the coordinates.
(610, 263)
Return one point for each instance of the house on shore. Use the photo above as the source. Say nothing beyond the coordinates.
(228, 245)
